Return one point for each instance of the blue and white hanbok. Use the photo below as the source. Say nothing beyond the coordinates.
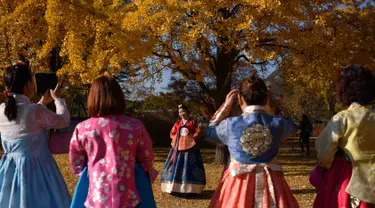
(29, 175)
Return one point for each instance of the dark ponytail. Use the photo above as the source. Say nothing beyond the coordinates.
(15, 79)
(10, 110)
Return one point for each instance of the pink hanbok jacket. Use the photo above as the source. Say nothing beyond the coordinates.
(110, 146)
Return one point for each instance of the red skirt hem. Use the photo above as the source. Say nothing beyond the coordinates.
(239, 192)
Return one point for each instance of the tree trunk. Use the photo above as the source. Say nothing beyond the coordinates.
(224, 69)
(225, 59)
(55, 61)
(331, 109)
(331, 103)
(221, 154)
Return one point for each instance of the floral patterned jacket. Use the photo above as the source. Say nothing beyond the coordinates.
(110, 146)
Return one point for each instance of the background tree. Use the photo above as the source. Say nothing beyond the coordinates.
(205, 41)
(328, 39)
(201, 40)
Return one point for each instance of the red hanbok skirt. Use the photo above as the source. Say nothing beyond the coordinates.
(239, 191)
(331, 193)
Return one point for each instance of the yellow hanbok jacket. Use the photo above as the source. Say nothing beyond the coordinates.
(353, 130)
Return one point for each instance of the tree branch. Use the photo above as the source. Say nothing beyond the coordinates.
(212, 65)
(273, 45)
(248, 60)
(241, 56)
(235, 9)
(205, 50)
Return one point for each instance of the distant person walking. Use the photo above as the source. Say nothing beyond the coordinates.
(306, 131)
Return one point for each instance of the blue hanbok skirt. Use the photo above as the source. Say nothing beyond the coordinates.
(141, 181)
(184, 173)
(29, 175)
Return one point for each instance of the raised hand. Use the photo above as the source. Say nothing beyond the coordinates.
(50, 95)
(231, 97)
(56, 93)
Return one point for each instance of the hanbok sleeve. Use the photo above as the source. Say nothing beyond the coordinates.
(145, 153)
(218, 134)
(77, 153)
(217, 130)
(174, 131)
(198, 132)
(290, 128)
(327, 143)
(49, 120)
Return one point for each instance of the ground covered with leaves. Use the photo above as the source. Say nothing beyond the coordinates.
(296, 168)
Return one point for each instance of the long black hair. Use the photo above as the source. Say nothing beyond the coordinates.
(15, 79)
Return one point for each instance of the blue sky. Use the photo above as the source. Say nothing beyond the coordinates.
(164, 83)
(160, 86)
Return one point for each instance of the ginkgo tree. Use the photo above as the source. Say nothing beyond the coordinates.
(86, 37)
(199, 39)
(328, 40)
(206, 41)
(195, 38)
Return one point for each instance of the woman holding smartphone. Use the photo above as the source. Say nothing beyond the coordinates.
(29, 175)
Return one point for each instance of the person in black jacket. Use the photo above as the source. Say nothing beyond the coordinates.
(306, 131)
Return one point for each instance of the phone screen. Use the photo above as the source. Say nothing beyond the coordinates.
(45, 81)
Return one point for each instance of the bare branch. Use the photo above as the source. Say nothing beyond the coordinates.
(248, 60)
(241, 56)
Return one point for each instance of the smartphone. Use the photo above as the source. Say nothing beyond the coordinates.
(45, 81)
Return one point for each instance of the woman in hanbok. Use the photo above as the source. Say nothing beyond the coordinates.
(253, 178)
(29, 175)
(183, 171)
(115, 149)
(346, 147)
